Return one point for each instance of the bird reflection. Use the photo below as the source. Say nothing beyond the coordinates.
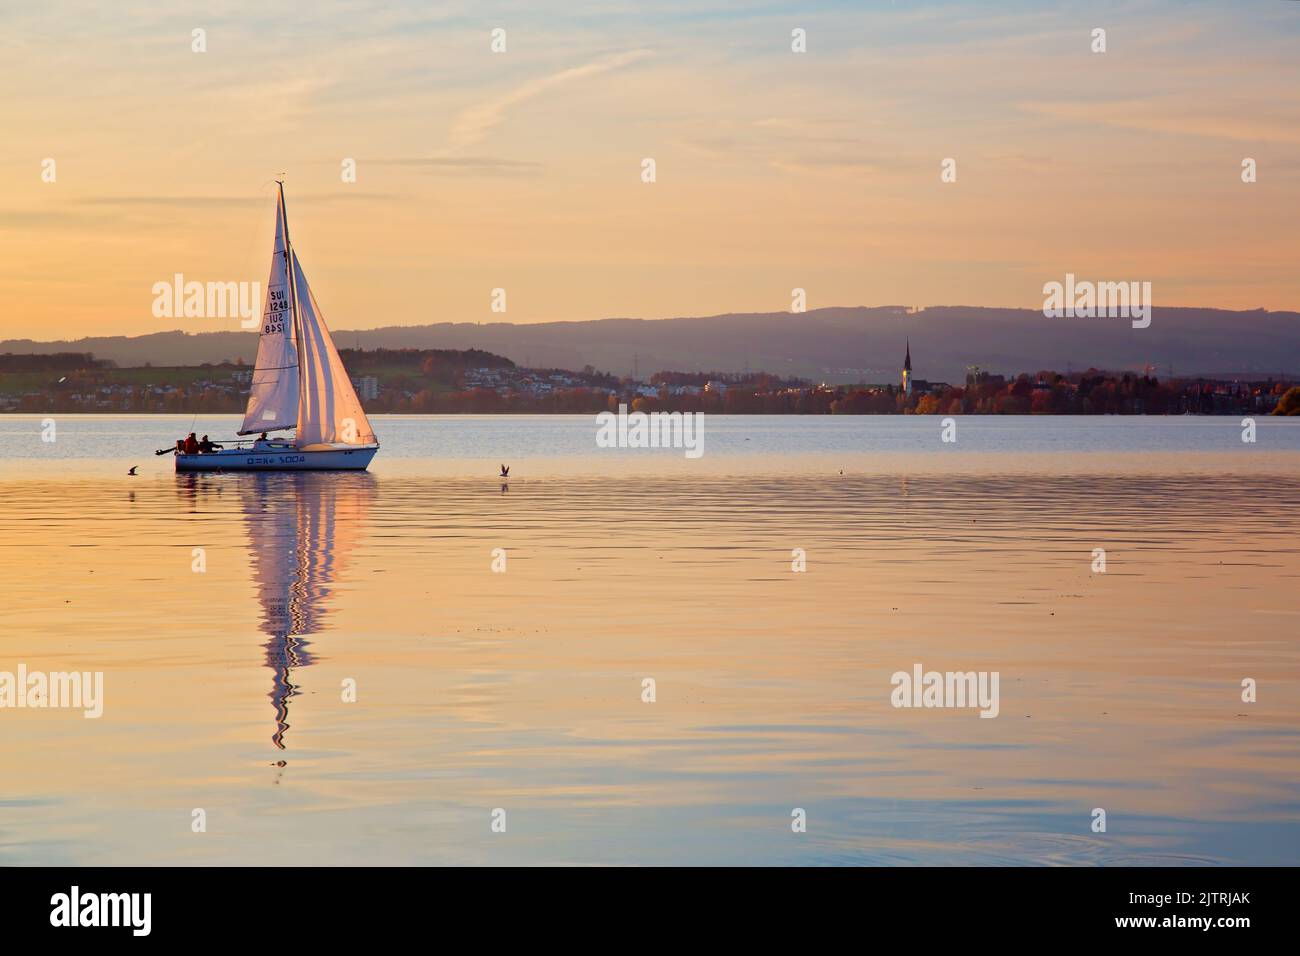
(302, 528)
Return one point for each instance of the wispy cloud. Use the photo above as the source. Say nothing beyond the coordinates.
(173, 202)
(461, 164)
(1175, 116)
(791, 144)
(476, 122)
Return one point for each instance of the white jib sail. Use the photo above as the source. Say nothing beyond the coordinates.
(329, 412)
(273, 397)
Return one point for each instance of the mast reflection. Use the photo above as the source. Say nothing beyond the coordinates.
(302, 528)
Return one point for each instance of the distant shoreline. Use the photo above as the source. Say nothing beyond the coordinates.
(450, 382)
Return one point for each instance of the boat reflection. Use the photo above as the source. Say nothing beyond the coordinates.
(302, 528)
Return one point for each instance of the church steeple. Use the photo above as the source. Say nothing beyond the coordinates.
(907, 369)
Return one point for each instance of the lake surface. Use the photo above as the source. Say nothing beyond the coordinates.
(225, 670)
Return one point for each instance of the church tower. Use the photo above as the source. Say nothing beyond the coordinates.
(907, 371)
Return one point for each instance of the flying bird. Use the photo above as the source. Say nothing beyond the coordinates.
(505, 471)
(132, 471)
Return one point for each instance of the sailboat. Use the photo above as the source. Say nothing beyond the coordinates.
(299, 382)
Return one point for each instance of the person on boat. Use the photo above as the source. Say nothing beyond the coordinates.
(180, 446)
(191, 445)
(207, 446)
(264, 443)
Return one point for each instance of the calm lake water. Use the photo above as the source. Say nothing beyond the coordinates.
(522, 690)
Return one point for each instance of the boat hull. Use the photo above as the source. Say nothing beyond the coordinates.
(280, 459)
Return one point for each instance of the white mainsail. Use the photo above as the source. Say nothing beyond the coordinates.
(273, 397)
(329, 411)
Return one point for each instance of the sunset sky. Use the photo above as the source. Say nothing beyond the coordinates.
(522, 169)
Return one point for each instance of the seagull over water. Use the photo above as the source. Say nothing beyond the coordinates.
(505, 471)
(132, 471)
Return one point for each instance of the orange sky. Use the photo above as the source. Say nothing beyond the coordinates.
(522, 170)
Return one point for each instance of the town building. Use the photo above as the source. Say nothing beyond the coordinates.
(367, 387)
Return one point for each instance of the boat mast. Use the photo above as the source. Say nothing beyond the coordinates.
(293, 297)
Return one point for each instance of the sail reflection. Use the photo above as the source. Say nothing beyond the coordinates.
(302, 528)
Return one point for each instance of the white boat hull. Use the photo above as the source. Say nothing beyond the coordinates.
(280, 459)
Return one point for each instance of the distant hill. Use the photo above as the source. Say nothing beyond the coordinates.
(835, 345)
